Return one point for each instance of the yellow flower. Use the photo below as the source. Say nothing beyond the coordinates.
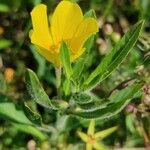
(67, 24)
(92, 139)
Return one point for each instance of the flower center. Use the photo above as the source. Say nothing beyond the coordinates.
(91, 140)
(55, 48)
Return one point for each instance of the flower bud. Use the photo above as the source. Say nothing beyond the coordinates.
(115, 37)
(108, 29)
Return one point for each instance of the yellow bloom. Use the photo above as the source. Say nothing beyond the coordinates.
(67, 24)
(92, 139)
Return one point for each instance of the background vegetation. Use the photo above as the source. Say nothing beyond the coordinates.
(17, 54)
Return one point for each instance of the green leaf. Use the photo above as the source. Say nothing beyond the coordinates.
(117, 102)
(89, 43)
(82, 98)
(115, 57)
(30, 130)
(12, 112)
(88, 100)
(37, 92)
(130, 123)
(80, 64)
(4, 8)
(90, 13)
(65, 59)
(131, 91)
(67, 87)
(78, 68)
(32, 116)
(60, 104)
(5, 43)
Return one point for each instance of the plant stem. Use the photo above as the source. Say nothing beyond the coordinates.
(58, 79)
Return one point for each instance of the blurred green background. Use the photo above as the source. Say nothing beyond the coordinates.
(114, 17)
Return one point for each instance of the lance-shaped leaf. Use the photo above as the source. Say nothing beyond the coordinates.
(82, 98)
(115, 57)
(65, 59)
(13, 113)
(88, 100)
(10, 111)
(30, 130)
(37, 92)
(67, 87)
(90, 13)
(118, 101)
(78, 68)
(32, 116)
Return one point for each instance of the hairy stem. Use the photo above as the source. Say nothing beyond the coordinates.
(58, 79)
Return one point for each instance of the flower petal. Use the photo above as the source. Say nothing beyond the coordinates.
(65, 20)
(51, 57)
(41, 34)
(77, 54)
(89, 146)
(99, 146)
(102, 134)
(87, 27)
(91, 127)
(83, 136)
